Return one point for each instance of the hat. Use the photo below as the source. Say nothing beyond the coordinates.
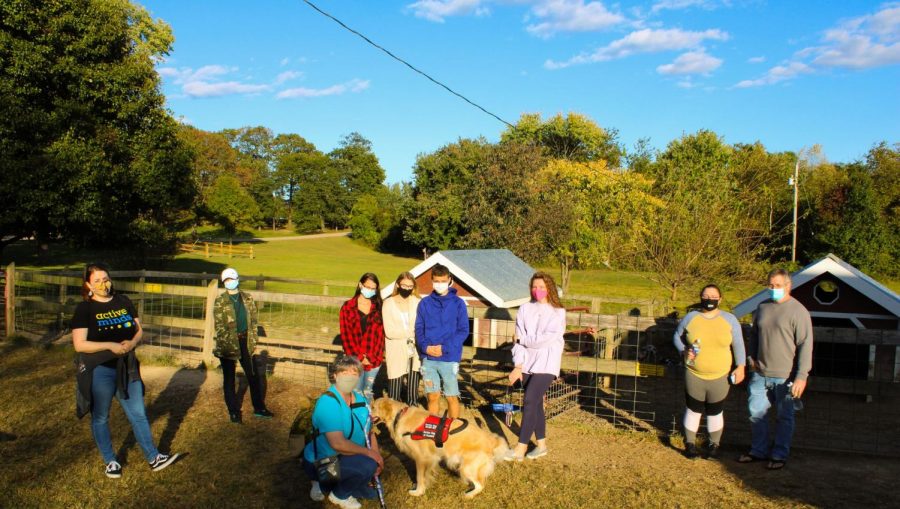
(229, 273)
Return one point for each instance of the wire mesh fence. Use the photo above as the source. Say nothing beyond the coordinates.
(621, 368)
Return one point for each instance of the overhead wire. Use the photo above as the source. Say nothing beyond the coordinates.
(404, 62)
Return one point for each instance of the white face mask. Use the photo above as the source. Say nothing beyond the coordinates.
(346, 383)
(232, 284)
(441, 288)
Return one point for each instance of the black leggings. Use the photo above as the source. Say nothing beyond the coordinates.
(533, 420)
(228, 372)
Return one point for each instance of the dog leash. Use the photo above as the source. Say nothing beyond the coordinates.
(378, 486)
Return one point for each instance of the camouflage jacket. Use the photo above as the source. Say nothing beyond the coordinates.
(226, 326)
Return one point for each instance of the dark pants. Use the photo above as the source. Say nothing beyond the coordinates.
(356, 472)
(533, 420)
(395, 388)
(228, 372)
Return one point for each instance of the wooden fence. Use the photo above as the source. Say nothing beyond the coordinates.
(209, 249)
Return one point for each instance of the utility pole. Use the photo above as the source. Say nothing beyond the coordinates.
(795, 183)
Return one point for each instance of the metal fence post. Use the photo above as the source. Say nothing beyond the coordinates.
(10, 295)
(209, 327)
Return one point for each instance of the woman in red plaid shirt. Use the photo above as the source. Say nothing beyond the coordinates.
(362, 330)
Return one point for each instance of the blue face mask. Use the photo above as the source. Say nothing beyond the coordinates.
(776, 293)
(367, 293)
(231, 284)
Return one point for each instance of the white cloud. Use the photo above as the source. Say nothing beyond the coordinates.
(571, 16)
(206, 89)
(203, 82)
(285, 61)
(643, 41)
(756, 60)
(692, 62)
(287, 76)
(687, 83)
(352, 86)
(777, 74)
(680, 4)
(437, 10)
(859, 43)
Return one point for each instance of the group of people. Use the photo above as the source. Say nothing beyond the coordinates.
(778, 354)
(415, 335)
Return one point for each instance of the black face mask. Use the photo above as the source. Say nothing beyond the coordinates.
(709, 304)
(403, 292)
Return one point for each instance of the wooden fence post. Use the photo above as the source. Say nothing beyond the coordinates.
(261, 283)
(206, 249)
(61, 316)
(209, 326)
(251, 252)
(10, 294)
(230, 249)
(143, 280)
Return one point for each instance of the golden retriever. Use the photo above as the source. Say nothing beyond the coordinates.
(472, 451)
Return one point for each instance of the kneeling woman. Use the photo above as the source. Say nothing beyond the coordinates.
(711, 341)
(105, 332)
(340, 422)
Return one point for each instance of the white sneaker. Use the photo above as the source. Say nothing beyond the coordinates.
(536, 453)
(512, 456)
(113, 470)
(346, 503)
(315, 493)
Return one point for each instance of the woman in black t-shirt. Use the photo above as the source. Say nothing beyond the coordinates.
(105, 332)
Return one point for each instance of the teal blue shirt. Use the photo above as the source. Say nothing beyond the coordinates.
(333, 414)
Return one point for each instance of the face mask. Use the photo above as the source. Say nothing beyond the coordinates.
(367, 293)
(776, 293)
(709, 304)
(232, 284)
(346, 383)
(403, 292)
(441, 288)
(538, 293)
(102, 289)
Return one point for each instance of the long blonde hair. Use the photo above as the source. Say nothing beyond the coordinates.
(401, 277)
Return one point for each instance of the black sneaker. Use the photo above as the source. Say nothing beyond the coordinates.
(263, 414)
(712, 451)
(113, 470)
(690, 450)
(235, 417)
(162, 461)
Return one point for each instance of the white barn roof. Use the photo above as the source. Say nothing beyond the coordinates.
(842, 270)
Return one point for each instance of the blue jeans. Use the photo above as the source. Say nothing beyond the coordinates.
(367, 381)
(103, 388)
(356, 472)
(765, 392)
(438, 374)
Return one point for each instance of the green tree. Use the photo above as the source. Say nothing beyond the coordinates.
(574, 137)
(361, 173)
(604, 210)
(86, 145)
(315, 205)
(435, 216)
(230, 204)
(701, 233)
(292, 153)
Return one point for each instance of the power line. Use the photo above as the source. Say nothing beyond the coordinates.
(404, 62)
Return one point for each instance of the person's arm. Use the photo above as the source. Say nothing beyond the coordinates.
(132, 343)
(348, 339)
(462, 326)
(737, 349)
(678, 336)
(753, 342)
(552, 333)
(425, 344)
(82, 345)
(803, 337)
(343, 446)
(393, 325)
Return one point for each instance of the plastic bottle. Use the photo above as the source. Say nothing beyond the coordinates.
(695, 346)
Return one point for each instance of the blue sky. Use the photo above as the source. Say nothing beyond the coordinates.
(787, 73)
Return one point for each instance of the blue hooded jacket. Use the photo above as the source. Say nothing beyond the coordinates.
(442, 320)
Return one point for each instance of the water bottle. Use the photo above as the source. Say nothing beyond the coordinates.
(695, 346)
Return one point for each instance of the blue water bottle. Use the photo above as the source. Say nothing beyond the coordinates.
(695, 346)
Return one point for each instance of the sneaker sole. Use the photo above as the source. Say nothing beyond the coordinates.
(114, 476)
(541, 455)
(168, 462)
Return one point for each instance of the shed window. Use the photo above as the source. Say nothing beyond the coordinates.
(826, 292)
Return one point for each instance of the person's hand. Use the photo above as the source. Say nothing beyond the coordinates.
(738, 374)
(689, 354)
(118, 348)
(365, 361)
(515, 375)
(751, 364)
(434, 350)
(797, 388)
(375, 455)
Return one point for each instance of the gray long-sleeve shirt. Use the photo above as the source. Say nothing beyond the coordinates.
(781, 339)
